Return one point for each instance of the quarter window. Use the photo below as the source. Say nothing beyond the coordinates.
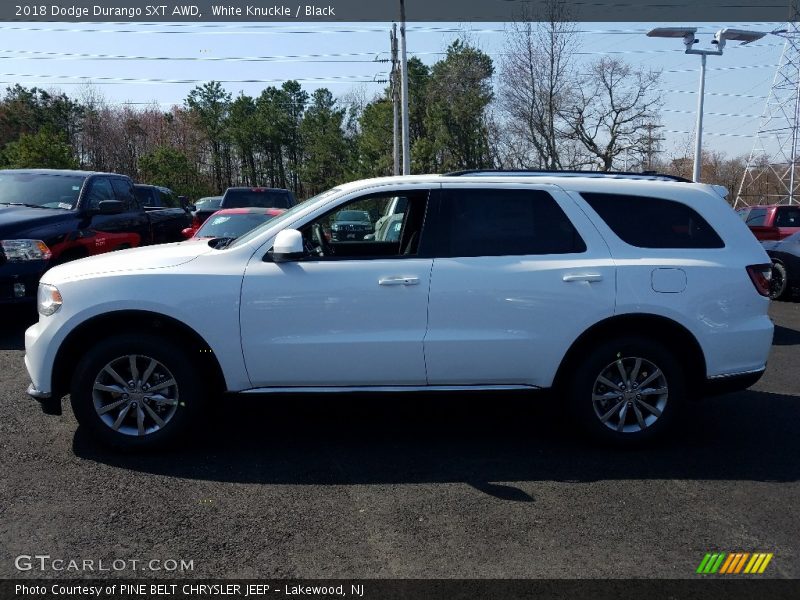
(510, 222)
(647, 222)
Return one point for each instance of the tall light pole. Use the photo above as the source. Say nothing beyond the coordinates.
(723, 35)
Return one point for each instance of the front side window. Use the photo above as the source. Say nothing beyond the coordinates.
(99, 191)
(504, 222)
(647, 222)
(369, 227)
(788, 216)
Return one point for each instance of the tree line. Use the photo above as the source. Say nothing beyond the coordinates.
(539, 107)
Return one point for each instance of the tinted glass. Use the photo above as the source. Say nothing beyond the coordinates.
(352, 215)
(48, 191)
(208, 203)
(647, 222)
(487, 222)
(144, 196)
(787, 216)
(757, 217)
(231, 226)
(169, 199)
(256, 198)
(124, 191)
(99, 191)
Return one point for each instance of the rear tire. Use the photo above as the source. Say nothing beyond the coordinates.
(136, 392)
(627, 391)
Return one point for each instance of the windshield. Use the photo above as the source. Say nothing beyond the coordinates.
(352, 215)
(40, 189)
(288, 215)
(256, 198)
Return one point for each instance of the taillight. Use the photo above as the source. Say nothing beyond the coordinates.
(760, 276)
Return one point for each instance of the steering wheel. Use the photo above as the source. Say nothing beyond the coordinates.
(318, 233)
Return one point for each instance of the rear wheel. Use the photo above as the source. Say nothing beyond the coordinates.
(778, 282)
(136, 392)
(627, 390)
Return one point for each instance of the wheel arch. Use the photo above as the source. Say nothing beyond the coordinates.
(131, 322)
(661, 329)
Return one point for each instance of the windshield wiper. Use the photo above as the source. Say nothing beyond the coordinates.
(22, 204)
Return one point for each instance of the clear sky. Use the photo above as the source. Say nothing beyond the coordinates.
(159, 63)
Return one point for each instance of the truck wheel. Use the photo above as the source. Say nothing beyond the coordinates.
(627, 390)
(136, 392)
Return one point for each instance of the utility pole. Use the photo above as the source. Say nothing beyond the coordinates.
(404, 89)
(395, 88)
(651, 145)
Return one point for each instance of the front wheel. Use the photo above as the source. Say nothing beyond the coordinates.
(136, 392)
(778, 282)
(627, 390)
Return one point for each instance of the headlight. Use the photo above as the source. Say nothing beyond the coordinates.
(48, 299)
(21, 250)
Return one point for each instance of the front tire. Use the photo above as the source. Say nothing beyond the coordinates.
(136, 392)
(627, 390)
(779, 282)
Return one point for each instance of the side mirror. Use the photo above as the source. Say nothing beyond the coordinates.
(288, 246)
(187, 233)
(111, 207)
(184, 202)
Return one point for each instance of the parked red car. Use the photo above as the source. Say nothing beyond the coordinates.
(232, 222)
(772, 222)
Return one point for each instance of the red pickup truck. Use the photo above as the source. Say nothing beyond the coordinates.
(772, 222)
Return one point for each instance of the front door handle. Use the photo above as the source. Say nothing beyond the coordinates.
(583, 277)
(398, 281)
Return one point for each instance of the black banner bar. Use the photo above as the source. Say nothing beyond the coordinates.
(705, 588)
(130, 11)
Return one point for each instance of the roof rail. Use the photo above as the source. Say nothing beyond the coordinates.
(545, 173)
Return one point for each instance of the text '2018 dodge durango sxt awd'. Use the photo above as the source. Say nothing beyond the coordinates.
(628, 295)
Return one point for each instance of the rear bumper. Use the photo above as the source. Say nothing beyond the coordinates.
(732, 383)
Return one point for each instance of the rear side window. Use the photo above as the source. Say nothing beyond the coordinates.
(489, 222)
(647, 222)
(124, 192)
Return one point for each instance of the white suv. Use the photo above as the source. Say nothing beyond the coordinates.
(629, 295)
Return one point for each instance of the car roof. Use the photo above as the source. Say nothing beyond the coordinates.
(583, 182)
(73, 172)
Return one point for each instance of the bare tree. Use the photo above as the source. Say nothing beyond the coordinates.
(536, 77)
(612, 110)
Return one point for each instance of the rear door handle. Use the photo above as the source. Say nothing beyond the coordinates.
(398, 281)
(583, 277)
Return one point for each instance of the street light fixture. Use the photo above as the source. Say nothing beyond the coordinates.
(689, 40)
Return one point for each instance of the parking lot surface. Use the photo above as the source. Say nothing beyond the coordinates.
(483, 486)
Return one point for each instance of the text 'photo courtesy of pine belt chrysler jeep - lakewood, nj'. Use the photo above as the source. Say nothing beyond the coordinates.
(626, 297)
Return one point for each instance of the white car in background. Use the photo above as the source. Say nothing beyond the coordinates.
(628, 295)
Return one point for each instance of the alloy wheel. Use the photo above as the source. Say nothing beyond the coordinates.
(630, 394)
(135, 395)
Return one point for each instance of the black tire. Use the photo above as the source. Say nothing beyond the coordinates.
(779, 282)
(602, 359)
(176, 405)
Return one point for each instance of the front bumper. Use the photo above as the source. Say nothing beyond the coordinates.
(20, 280)
(49, 405)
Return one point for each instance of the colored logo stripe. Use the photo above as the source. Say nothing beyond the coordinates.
(734, 563)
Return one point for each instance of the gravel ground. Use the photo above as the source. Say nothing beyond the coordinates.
(479, 486)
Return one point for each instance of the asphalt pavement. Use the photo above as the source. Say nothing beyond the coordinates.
(411, 486)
